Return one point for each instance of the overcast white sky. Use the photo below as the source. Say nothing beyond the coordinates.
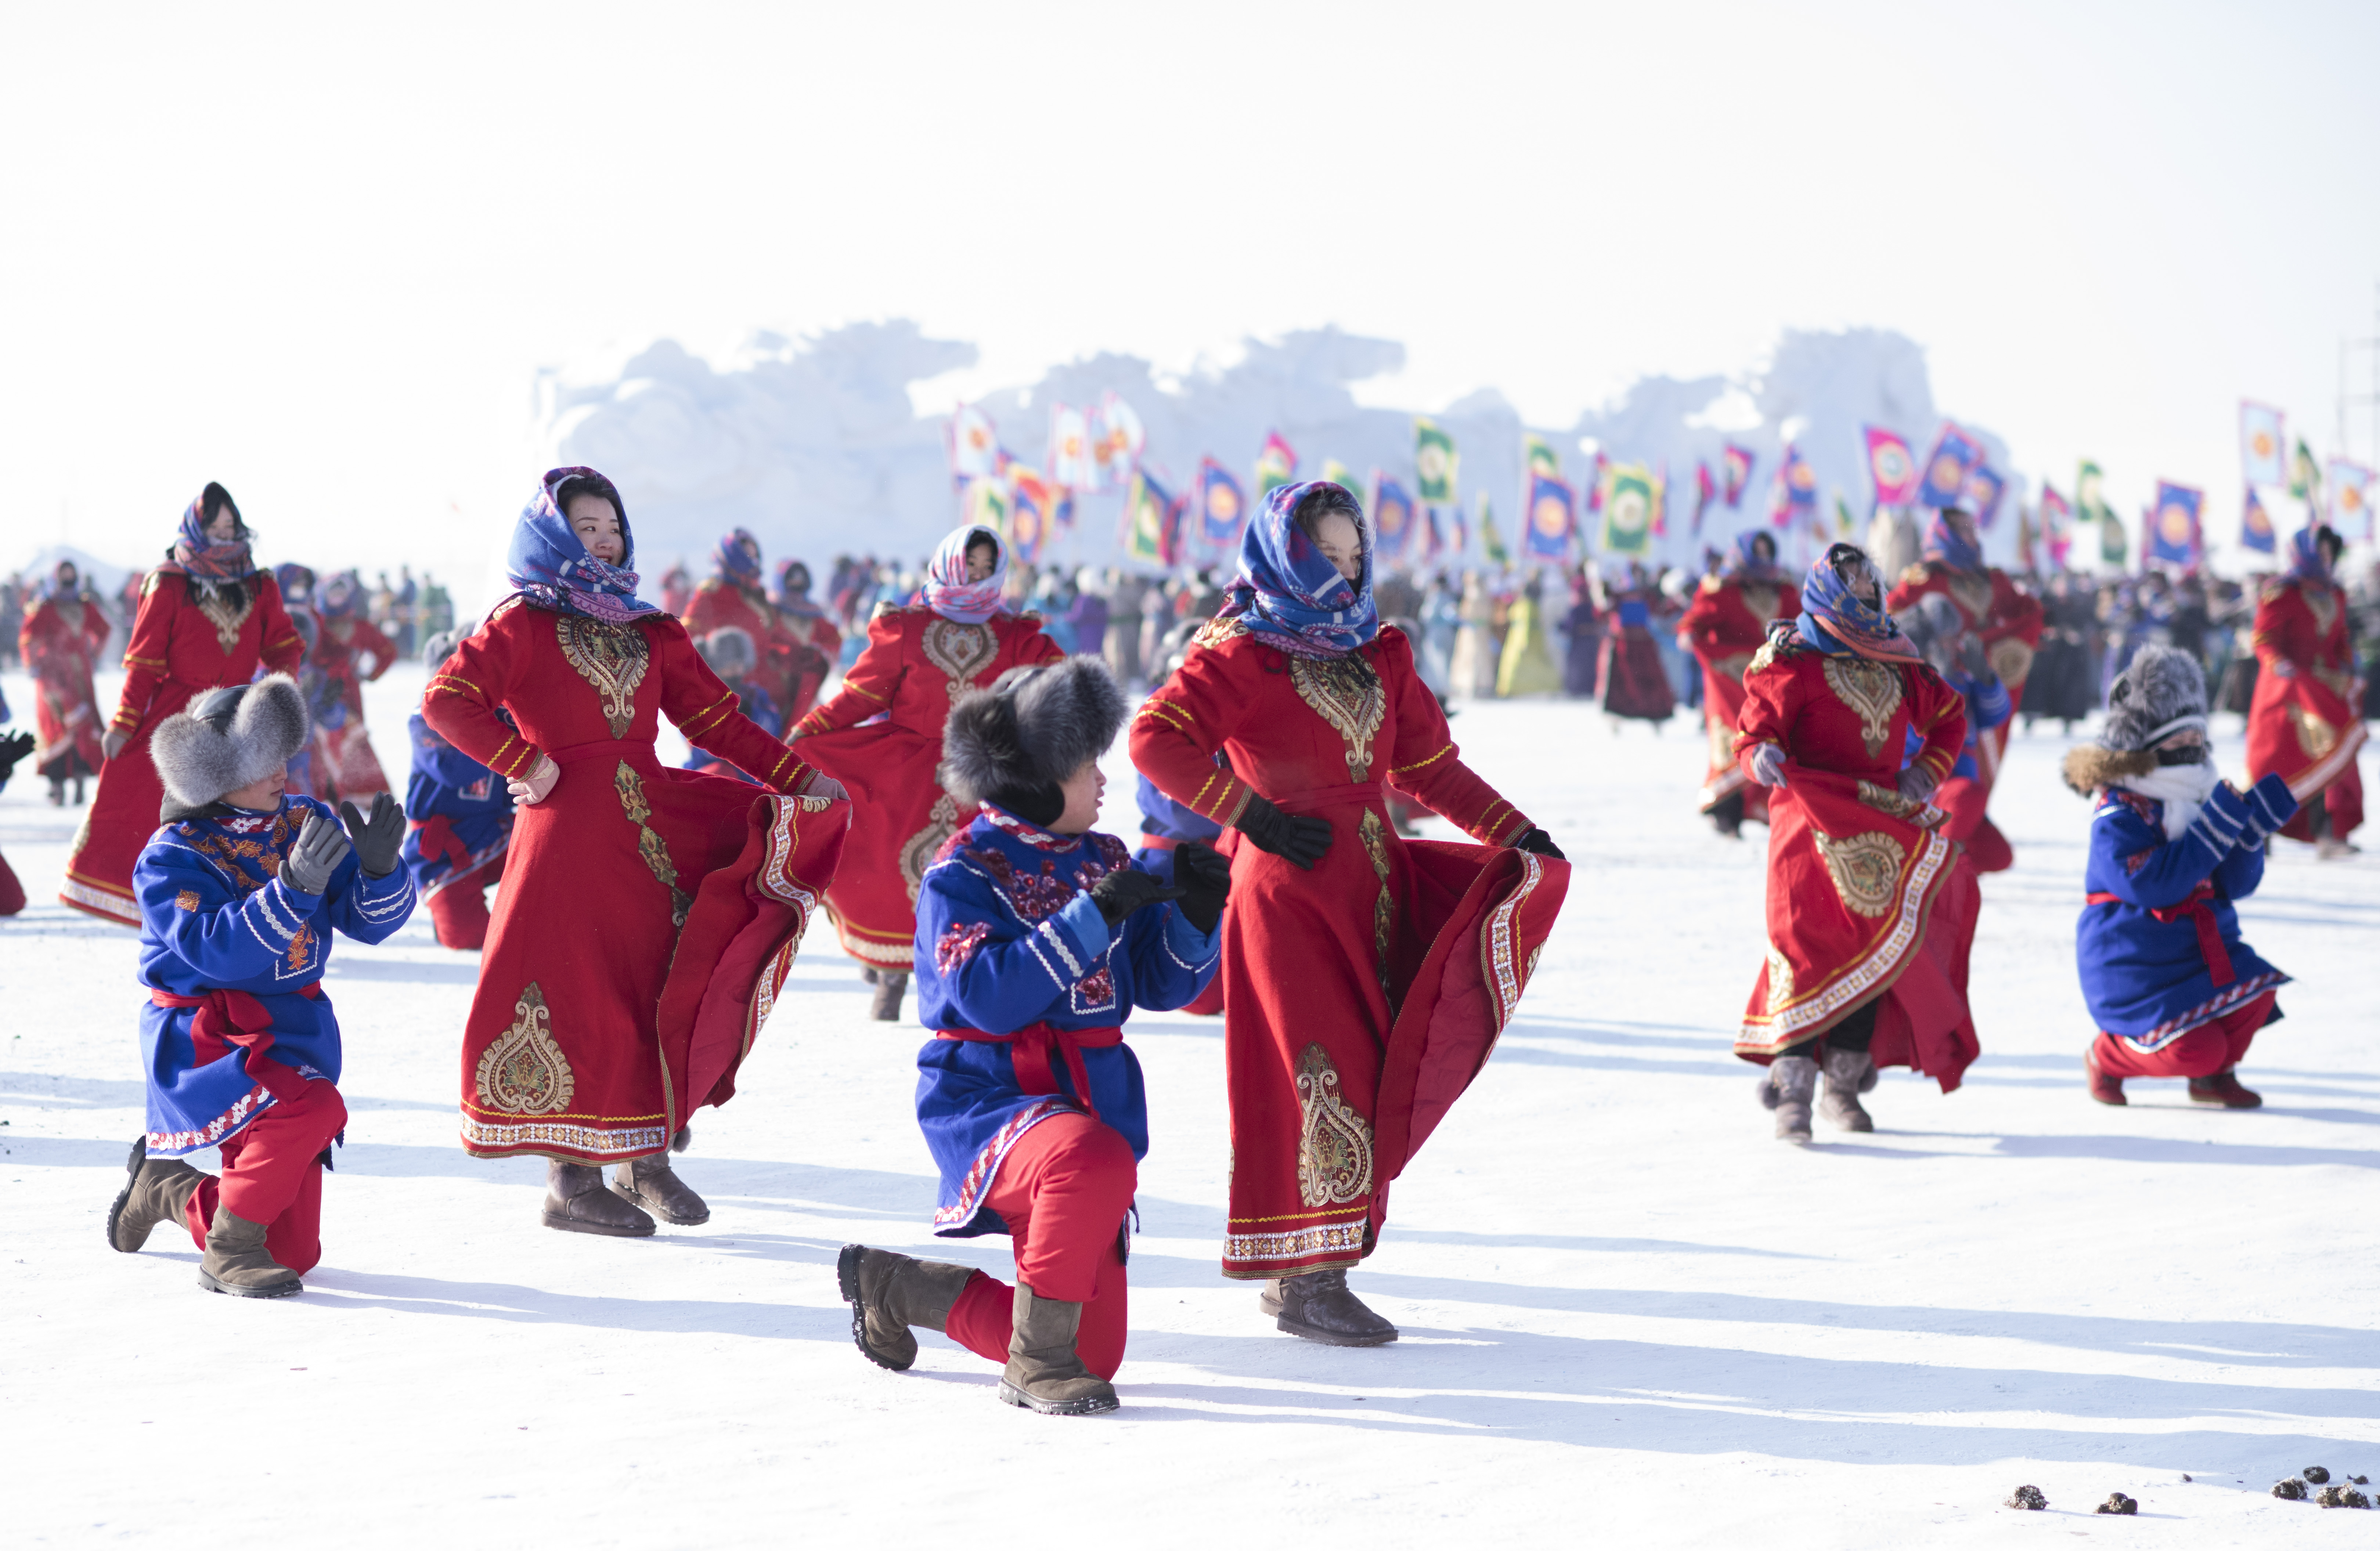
(319, 253)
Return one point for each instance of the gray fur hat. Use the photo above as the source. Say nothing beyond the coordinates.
(229, 738)
(438, 647)
(2159, 694)
(1931, 624)
(1031, 730)
(729, 651)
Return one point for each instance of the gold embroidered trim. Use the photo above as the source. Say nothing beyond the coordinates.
(1865, 867)
(1872, 689)
(1384, 908)
(959, 651)
(1781, 981)
(610, 657)
(2315, 736)
(1762, 658)
(2011, 659)
(1972, 590)
(216, 603)
(1295, 1244)
(1346, 692)
(524, 1072)
(1885, 799)
(1759, 600)
(1335, 1144)
(186, 900)
(918, 853)
(1215, 632)
(650, 845)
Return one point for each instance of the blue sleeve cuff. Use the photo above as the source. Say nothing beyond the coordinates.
(1085, 927)
(1188, 944)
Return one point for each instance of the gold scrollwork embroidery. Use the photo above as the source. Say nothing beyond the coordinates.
(1865, 867)
(524, 1071)
(610, 657)
(918, 853)
(2323, 604)
(650, 845)
(1760, 601)
(960, 650)
(1215, 632)
(1872, 689)
(1375, 836)
(1780, 982)
(1883, 799)
(1335, 1144)
(226, 609)
(1972, 590)
(1346, 692)
(2011, 659)
(2315, 736)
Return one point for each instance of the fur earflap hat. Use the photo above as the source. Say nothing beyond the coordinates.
(1013, 744)
(729, 651)
(2160, 693)
(229, 738)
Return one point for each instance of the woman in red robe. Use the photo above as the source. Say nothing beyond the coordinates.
(806, 621)
(1728, 622)
(60, 642)
(648, 916)
(1871, 908)
(732, 595)
(207, 617)
(1634, 683)
(2303, 724)
(2006, 617)
(1368, 975)
(881, 736)
(345, 765)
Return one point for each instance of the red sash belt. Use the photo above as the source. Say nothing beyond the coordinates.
(437, 837)
(1029, 1048)
(2210, 935)
(226, 1018)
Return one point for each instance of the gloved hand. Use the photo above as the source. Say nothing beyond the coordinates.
(2270, 806)
(1205, 879)
(321, 846)
(378, 838)
(538, 784)
(1768, 765)
(1300, 840)
(14, 746)
(817, 783)
(2282, 668)
(2224, 818)
(1917, 783)
(1126, 890)
(1536, 842)
(112, 742)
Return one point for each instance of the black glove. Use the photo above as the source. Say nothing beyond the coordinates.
(1536, 842)
(378, 838)
(321, 846)
(1126, 890)
(13, 747)
(1206, 880)
(1300, 840)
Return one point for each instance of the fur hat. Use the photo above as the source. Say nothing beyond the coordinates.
(1014, 743)
(2159, 694)
(729, 651)
(441, 645)
(1932, 623)
(229, 738)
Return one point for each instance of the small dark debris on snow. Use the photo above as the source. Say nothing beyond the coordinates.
(2185, 1475)
(2341, 1496)
(2359, 1480)
(2291, 1490)
(2028, 1497)
(2316, 1474)
(2118, 1503)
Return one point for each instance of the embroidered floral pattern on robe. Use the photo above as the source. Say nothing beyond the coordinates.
(650, 845)
(1865, 868)
(524, 1072)
(1872, 689)
(1334, 1149)
(610, 657)
(1346, 692)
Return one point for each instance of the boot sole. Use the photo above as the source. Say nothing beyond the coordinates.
(847, 1281)
(633, 1199)
(279, 1289)
(1089, 1405)
(124, 1196)
(1332, 1338)
(571, 1225)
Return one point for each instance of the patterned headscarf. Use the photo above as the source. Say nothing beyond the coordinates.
(1746, 565)
(201, 556)
(338, 597)
(549, 564)
(737, 558)
(1850, 622)
(794, 591)
(1954, 543)
(947, 590)
(1289, 591)
(2306, 561)
(58, 587)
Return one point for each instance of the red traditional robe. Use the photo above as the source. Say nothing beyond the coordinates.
(783, 658)
(183, 645)
(60, 642)
(822, 648)
(2303, 723)
(648, 916)
(2008, 619)
(1364, 996)
(1728, 622)
(1866, 897)
(915, 665)
(346, 766)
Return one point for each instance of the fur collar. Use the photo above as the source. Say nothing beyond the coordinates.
(2090, 768)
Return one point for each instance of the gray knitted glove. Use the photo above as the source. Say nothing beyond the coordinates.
(322, 845)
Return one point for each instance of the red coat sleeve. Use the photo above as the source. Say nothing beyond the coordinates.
(1701, 624)
(278, 643)
(460, 704)
(1939, 715)
(146, 654)
(872, 682)
(1772, 703)
(2284, 631)
(705, 709)
(1426, 764)
(1180, 727)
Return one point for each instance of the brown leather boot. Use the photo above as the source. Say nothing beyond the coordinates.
(2224, 1088)
(890, 985)
(1319, 1306)
(575, 1202)
(651, 1182)
(890, 1294)
(1043, 1372)
(236, 1261)
(155, 1193)
(2105, 1088)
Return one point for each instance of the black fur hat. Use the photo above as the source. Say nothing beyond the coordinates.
(2159, 693)
(229, 738)
(1013, 744)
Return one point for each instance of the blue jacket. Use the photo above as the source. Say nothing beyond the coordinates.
(1009, 938)
(1988, 705)
(2148, 979)
(754, 702)
(215, 916)
(475, 803)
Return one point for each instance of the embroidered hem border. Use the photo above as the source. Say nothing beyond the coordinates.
(2317, 776)
(1498, 942)
(484, 1139)
(2206, 1012)
(97, 899)
(986, 1167)
(1250, 1257)
(1776, 1031)
(223, 1128)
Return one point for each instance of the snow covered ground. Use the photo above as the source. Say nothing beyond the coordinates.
(1631, 1318)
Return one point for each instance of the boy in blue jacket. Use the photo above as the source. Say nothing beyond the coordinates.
(1035, 939)
(459, 816)
(2173, 990)
(240, 891)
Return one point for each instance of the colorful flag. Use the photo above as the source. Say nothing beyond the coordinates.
(1031, 501)
(1955, 455)
(1117, 438)
(2350, 498)
(1061, 519)
(1980, 497)
(1553, 515)
(2256, 525)
(974, 443)
(1392, 517)
(2057, 524)
(2024, 538)
(1796, 494)
(1276, 465)
(1735, 466)
(2262, 444)
(1152, 521)
(1842, 517)
(2173, 523)
(1661, 502)
(1491, 542)
(1890, 468)
(2305, 479)
(2092, 505)
(1434, 464)
(1704, 489)
(1538, 455)
(1340, 473)
(985, 501)
(1222, 504)
(1595, 485)
(1071, 463)
(1629, 496)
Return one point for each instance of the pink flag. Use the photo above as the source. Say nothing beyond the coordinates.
(1891, 468)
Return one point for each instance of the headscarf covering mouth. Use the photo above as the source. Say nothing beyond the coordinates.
(214, 559)
(1288, 591)
(737, 558)
(1747, 566)
(947, 590)
(2307, 563)
(550, 564)
(1836, 617)
(57, 586)
(338, 597)
(1951, 541)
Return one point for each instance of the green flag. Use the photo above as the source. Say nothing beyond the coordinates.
(1541, 456)
(1843, 516)
(1491, 543)
(1144, 518)
(1628, 500)
(2090, 505)
(2306, 476)
(1434, 464)
(1340, 473)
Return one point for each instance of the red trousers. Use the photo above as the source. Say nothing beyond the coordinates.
(459, 913)
(1063, 1190)
(1963, 800)
(2210, 1048)
(12, 893)
(272, 1175)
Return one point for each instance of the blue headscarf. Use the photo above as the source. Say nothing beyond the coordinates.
(2306, 562)
(1954, 544)
(202, 556)
(1747, 565)
(549, 564)
(1290, 593)
(947, 590)
(737, 558)
(1836, 619)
